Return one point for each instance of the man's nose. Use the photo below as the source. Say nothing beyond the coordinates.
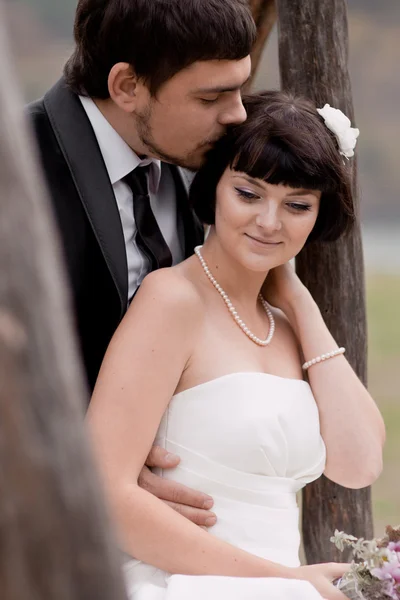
(235, 114)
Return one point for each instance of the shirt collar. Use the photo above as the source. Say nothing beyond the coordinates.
(119, 158)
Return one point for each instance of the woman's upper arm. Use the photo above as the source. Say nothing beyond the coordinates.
(140, 372)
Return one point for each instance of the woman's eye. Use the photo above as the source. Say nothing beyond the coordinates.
(246, 194)
(299, 206)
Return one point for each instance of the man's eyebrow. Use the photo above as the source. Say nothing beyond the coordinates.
(251, 180)
(221, 89)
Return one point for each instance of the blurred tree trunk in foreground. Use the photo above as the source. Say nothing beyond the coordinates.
(54, 536)
(313, 54)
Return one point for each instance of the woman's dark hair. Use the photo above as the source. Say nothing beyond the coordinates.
(283, 141)
(158, 38)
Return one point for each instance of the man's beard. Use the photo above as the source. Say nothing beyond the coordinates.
(192, 161)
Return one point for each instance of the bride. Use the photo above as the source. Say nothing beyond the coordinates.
(213, 372)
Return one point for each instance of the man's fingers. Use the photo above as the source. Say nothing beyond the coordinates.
(189, 503)
(173, 492)
(161, 458)
(204, 518)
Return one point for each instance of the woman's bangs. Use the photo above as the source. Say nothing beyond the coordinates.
(274, 164)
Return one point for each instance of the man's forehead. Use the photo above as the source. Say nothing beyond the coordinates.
(217, 76)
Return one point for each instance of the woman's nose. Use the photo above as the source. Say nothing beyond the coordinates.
(269, 220)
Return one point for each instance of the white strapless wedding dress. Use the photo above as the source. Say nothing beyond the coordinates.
(251, 441)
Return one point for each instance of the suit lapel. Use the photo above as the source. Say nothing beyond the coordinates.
(78, 143)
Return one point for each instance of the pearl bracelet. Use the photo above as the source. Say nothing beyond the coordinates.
(323, 357)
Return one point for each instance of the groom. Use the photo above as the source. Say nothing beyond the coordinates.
(150, 87)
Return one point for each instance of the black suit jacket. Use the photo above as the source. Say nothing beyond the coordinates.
(88, 219)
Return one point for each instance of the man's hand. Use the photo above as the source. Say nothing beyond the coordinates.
(193, 505)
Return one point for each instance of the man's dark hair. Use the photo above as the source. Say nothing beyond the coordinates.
(283, 141)
(158, 38)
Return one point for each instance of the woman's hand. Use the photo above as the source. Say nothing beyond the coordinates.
(190, 503)
(321, 577)
(283, 288)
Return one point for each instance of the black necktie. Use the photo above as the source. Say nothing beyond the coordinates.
(149, 238)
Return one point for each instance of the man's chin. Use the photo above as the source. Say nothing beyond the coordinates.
(191, 163)
(196, 160)
(192, 166)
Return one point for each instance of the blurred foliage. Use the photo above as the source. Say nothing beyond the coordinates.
(383, 8)
(384, 324)
(383, 294)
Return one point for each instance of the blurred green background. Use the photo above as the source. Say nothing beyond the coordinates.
(41, 38)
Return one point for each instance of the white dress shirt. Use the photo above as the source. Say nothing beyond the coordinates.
(120, 160)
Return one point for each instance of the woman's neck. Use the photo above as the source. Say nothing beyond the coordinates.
(241, 284)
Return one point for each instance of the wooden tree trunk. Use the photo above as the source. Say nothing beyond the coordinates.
(313, 51)
(264, 13)
(54, 535)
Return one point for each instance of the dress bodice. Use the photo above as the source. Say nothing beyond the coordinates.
(251, 441)
(255, 423)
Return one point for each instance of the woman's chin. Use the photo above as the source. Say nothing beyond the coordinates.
(258, 264)
(263, 264)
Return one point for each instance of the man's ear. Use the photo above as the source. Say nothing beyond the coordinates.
(124, 86)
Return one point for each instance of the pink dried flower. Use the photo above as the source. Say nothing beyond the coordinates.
(389, 570)
(391, 591)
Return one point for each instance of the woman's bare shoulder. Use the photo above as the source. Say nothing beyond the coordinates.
(172, 292)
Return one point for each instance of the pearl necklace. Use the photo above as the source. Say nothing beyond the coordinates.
(232, 309)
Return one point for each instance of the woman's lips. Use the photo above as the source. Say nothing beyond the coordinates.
(262, 242)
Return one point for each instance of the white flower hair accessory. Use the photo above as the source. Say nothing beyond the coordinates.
(340, 125)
